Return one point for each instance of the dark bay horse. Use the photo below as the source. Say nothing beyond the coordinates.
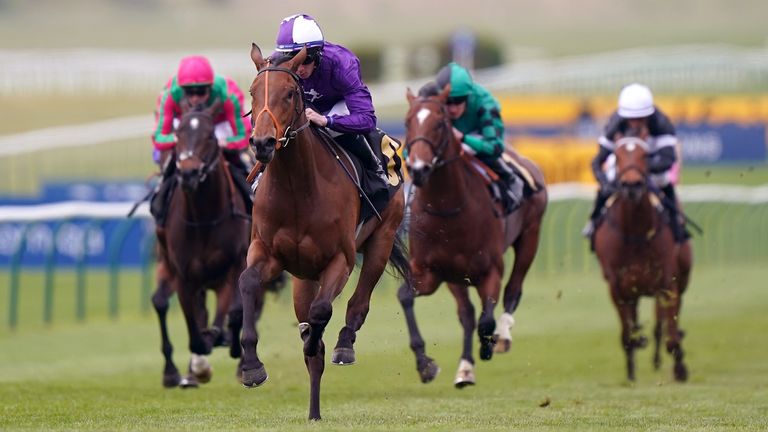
(202, 245)
(305, 215)
(457, 236)
(639, 257)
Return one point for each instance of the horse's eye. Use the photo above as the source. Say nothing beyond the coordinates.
(290, 94)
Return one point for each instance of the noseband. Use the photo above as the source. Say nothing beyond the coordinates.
(437, 149)
(290, 132)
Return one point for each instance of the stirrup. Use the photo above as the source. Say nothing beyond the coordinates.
(588, 229)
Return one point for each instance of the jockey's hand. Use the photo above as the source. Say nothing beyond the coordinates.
(315, 117)
(458, 134)
(609, 188)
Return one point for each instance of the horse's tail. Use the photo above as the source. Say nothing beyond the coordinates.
(398, 259)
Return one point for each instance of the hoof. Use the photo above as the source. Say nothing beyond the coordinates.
(461, 384)
(486, 347)
(428, 370)
(255, 377)
(188, 382)
(681, 373)
(343, 356)
(656, 363)
(204, 377)
(171, 380)
(465, 375)
(641, 342)
(502, 346)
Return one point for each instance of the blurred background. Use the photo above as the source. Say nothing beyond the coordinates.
(79, 81)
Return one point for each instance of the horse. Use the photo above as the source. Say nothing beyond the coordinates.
(202, 245)
(305, 215)
(457, 236)
(639, 257)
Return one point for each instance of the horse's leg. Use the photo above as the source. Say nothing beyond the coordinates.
(627, 313)
(171, 376)
(465, 375)
(215, 333)
(192, 300)
(671, 307)
(488, 289)
(375, 255)
(235, 320)
(427, 283)
(332, 281)
(304, 292)
(657, 334)
(525, 251)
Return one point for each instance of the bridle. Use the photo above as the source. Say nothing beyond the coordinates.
(630, 142)
(442, 144)
(206, 167)
(290, 132)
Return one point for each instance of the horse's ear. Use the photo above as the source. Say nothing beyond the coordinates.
(298, 59)
(257, 57)
(409, 95)
(443, 96)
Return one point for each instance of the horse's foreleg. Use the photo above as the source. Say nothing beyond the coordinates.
(191, 301)
(304, 292)
(657, 335)
(427, 284)
(235, 319)
(670, 299)
(525, 251)
(171, 376)
(215, 333)
(375, 255)
(253, 372)
(332, 281)
(627, 312)
(466, 373)
(488, 290)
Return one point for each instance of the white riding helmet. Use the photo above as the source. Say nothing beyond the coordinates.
(298, 31)
(635, 101)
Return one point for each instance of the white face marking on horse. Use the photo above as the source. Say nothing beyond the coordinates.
(194, 123)
(422, 115)
(418, 164)
(631, 147)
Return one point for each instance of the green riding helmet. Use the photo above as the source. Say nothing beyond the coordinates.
(457, 77)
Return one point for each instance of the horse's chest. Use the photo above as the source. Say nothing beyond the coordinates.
(640, 277)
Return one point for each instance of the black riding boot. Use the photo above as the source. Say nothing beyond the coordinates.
(602, 197)
(670, 201)
(510, 183)
(158, 203)
(239, 173)
(359, 146)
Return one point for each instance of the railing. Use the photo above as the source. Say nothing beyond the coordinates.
(734, 218)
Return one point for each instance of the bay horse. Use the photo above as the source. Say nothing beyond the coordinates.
(305, 215)
(639, 256)
(202, 245)
(457, 235)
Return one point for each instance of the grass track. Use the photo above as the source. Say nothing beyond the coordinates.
(105, 375)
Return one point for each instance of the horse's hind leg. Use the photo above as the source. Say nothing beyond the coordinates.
(488, 291)
(657, 335)
(192, 299)
(671, 307)
(215, 333)
(375, 255)
(171, 376)
(465, 375)
(332, 281)
(425, 365)
(525, 251)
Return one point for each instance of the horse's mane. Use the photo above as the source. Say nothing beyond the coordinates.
(278, 58)
(429, 89)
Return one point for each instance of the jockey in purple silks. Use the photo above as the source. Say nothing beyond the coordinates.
(334, 90)
(196, 83)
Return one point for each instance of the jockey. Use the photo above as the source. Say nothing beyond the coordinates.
(477, 124)
(636, 110)
(196, 82)
(334, 90)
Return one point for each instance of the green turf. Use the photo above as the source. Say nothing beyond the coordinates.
(105, 375)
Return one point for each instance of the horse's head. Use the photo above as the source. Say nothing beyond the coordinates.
(277, 103)
(197, 148)
(429, 138)
(632, 163)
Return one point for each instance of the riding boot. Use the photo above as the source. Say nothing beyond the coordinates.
(359, 146)
(239, 172)
(589, 228)
(158, 203)
(678, 229)
(510, 184)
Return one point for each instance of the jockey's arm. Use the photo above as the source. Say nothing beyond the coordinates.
(362, 117)
(597, 164)
(164, 137)
(489, 138)
(662, 160)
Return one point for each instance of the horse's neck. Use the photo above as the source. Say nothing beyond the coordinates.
(211, 198)
(447, 186)
(636, 217)
(295, 167)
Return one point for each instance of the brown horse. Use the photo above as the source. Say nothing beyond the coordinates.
(202, 245)
(457, 236)
(639, 256)
(305, 215)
